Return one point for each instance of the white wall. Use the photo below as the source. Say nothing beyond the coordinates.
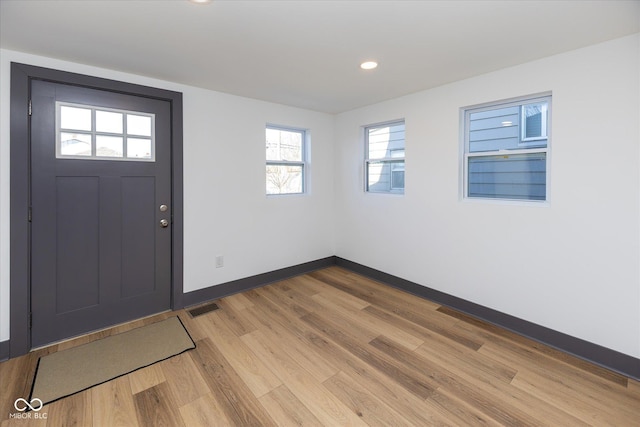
(226, 210)
(573, 265)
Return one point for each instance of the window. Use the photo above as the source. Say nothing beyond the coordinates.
(96, 133)
(286, 160)
(384, 158)
(534, 121)
(506, 147)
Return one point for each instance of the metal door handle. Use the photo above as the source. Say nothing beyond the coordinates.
(164, 223)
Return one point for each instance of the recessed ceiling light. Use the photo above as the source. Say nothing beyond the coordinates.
(369, 65)
(200, 1)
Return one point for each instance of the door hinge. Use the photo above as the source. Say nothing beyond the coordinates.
(30, 215)
(30, 320)
(29, 107)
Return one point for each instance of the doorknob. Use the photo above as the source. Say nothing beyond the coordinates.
(164, 223)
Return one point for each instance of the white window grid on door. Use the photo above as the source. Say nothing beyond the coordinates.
(88, 132)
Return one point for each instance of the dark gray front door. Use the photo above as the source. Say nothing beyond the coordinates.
(100, 209)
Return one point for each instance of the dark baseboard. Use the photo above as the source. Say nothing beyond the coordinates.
(4, 350)
(610, 359)
(218, 291)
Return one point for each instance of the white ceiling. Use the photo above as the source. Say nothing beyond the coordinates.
(307, 53)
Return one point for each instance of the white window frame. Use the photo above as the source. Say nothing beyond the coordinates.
(465, 113)
(391, 160)
(93, 133)
(305, 135)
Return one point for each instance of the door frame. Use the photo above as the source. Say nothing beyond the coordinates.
(20, 175)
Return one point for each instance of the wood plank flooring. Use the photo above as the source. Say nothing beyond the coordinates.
(332, 348)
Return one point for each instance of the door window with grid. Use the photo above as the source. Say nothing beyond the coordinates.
(96, 133)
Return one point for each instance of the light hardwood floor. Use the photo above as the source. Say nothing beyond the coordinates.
(333, 348)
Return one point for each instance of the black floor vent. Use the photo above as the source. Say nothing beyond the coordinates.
(203, 309)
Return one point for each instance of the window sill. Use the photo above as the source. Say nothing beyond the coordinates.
(386, 193)
(507, 202)
(286, 195)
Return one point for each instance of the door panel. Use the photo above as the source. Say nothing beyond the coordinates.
(77, 223)
(98, 254)
(138, 231)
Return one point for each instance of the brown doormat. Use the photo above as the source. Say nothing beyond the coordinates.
(70, 371)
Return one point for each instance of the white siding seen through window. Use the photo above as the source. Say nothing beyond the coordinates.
(506, 148)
